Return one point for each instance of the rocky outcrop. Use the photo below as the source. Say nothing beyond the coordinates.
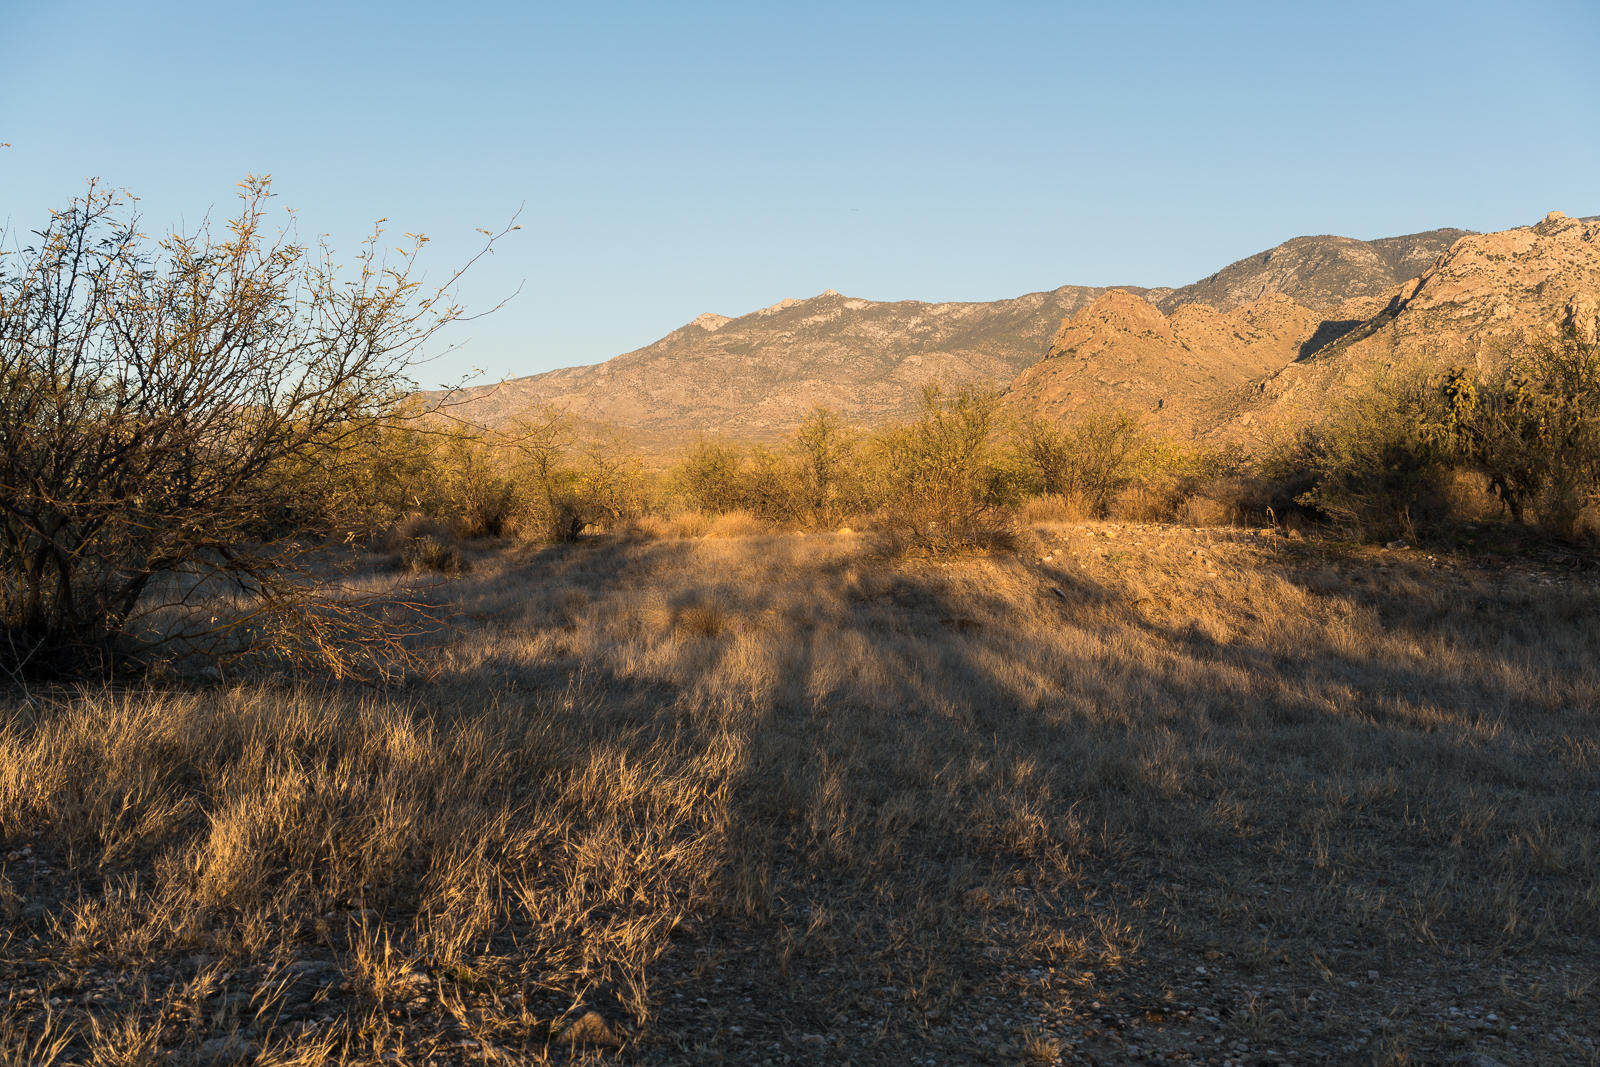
(1582, 317)
(1489, 296)
(1204, 372)
(1189, 372)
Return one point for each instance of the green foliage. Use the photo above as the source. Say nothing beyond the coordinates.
(1089, 463)
(710, 476)
(812, 480)
(567, 484)
(1532, 430)
(1377, 465)
(1107, 453)
(942, 484)
(826, 475)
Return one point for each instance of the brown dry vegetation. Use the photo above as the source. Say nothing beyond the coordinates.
(780, 798)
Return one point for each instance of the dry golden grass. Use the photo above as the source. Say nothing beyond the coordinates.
(698, 799)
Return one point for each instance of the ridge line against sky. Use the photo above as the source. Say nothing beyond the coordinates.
(720, 157)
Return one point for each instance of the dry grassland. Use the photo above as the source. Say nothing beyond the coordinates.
(1138, 793)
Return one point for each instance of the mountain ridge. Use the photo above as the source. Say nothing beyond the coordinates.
(1319, 272)
(756, 375)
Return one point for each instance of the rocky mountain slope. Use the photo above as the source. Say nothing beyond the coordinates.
(1274, 332)
(758, 375)
(1319, 272)
(1489, 296)
(1189, 372)
(1201, 372)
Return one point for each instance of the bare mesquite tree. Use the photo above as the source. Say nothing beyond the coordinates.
(157, 399)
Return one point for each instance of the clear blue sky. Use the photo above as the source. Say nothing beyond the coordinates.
(681, 158)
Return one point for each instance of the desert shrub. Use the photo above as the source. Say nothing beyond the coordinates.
(365, 479)
(428, 553)
(1143, 503)
(604, 488)
(942, 484)
(1377, 465)
(826, 475)
(473, 489)
(1225, 500)
(811, 480)
(567, 483)
(1588, 524)
(709, 476)
(159, 406)
(768, 487)
(1109, 465)
(1090, 461)
(1532, 430)
(392, 538)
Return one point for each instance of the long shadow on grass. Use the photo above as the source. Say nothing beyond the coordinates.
(939, 779)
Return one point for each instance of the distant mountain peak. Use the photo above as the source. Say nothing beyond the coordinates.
(711, 322)
(1195, 358)
(783, 305)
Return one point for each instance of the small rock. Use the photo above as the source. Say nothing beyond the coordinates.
(590, 1029)
(229, 1049)
(1372, 976)
(1056, 589)
(1473, 1059)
